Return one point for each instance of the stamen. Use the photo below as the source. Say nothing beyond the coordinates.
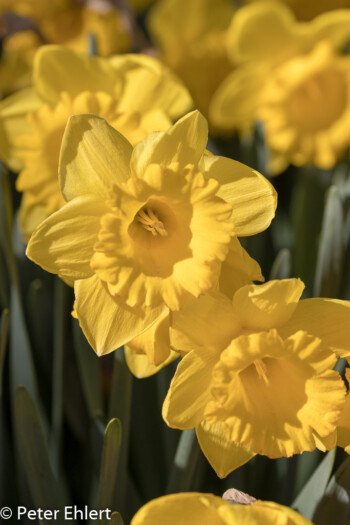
(151, 223)
(261, 369)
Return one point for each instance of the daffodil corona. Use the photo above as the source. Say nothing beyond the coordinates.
(145, 228)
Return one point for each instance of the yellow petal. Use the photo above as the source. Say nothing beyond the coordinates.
(105, 323)
(259, 31)
(235, 103)
(252, 197)
(162, 89)
(141, 366)
(94, 157)
(184, 143)
(207, 324)
(154, 342)
(63, 243)
(57, 69)
(332, 26)
(223, 455)
(343, 426)
(191, 508)
(188, 392)
(269, 305)
(328, 319)
(238, 269)
(13, 122)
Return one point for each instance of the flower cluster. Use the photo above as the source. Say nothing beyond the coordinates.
(127, 199)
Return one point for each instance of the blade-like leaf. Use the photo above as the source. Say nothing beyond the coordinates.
(312, 492)
(185, 462)
(331, 248)
(4, 326)
(335, 504)
(282, 265)
(109, 465)
(34, 454)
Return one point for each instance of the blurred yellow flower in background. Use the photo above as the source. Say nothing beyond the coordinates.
(284, 68)
(194, 508)
(256, 373)
(144, 227)
(65, 83)
(308, 9)
(191, 37)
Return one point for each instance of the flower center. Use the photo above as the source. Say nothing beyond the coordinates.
(261, 368)
(150, 222)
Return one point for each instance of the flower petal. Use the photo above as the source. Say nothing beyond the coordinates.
(252, 197)
(332, 26)
(140, 365)
(63, 243)
(94, 157)
(188, 392)
(184, 143)
(259, 30)
(269, 305)
(190, 508)
(105, 323)
(13, 122)
(238, 269)
(206, 324)
(162, 89)
(328, 319)
(57, 69)
(236, 101)
(223, 455)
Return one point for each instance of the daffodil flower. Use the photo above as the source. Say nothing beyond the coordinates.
(258, 375)
(289, 77)
(191, 37)
(144, 228)
(32, 122)
(195, 507)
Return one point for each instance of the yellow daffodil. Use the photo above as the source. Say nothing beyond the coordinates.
(65, 83)
(258, 377)
(144, 227)
(195, 507)
(191, 38)
(308, 9)
(292, 79)
(343, 430)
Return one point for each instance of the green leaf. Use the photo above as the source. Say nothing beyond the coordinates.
(116, 519)
(335, 504)
(21, 362)
(312, 492)
(109, 465)
(282, 265)
(34, 454)
(185, 462)
(4, 327)
(89, 371)
(331, 247)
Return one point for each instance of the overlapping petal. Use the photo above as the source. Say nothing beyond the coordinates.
(116, 324)
(90, 146)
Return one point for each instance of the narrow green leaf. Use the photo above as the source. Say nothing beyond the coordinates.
(34, 454)
(282, 265)
(185, 462)
(4, 327)
(92, 44)
(312, 492)
(109, 465)
(62, 309)
(331, 247)
(335, 504)
(89, 371)
(116, 519)
(21, 363)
